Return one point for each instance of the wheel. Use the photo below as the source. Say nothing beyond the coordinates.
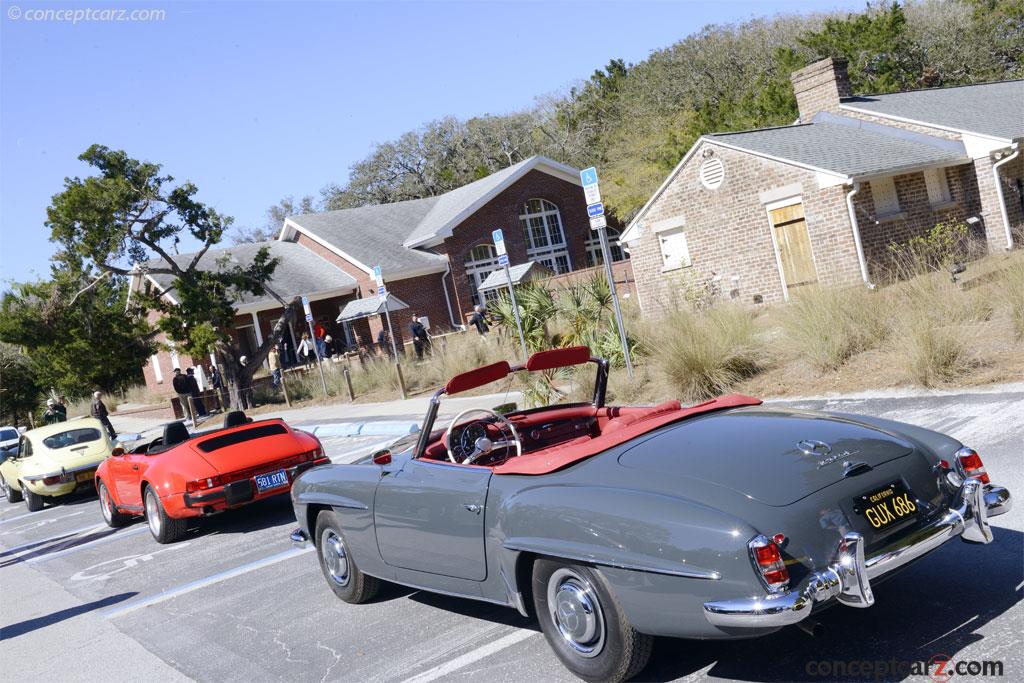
(343, 576)
(111, 515)
(11, 495)
(165, 529)
(33, 501)
(584, 623)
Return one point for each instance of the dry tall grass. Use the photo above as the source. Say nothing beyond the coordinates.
(828, 325)
(1010, 285)
(701, 355)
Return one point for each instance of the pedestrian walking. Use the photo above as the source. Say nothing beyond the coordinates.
(245, 384)
(183, 388)
(384, 342)
(99, 410)
(52, 414)
(61, 406)
(306, 352)
(420, 338)
(274, 361)
(197, 395)
(328, 349)
(218, 385)
(478, 319)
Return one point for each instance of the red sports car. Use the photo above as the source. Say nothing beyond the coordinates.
(182, 475)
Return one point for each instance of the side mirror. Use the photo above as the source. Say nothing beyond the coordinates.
(117, 451)
(382, 457)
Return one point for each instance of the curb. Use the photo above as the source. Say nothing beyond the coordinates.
(382, 428)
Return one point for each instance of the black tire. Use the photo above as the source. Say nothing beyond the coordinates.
(9, 492)
(33, 501)
(165, 529)
(593, 638)
(111, 515)
(340, 570)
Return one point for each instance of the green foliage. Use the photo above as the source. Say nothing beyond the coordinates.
(20, 391)
(77, 343)
(945, 245)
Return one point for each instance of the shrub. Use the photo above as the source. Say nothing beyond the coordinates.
(940, 249)
(704, 355)
(828, 325)
(1011, 287)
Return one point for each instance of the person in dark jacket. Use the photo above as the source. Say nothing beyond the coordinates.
(53, 414)
(420, 339)
(99, 410)
(478, 319)
(183, 388)
(384, 342)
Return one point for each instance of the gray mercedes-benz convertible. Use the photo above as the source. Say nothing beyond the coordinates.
(612, 525)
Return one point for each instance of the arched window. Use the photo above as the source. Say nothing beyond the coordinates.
(545, 239)
(593, 245)
(481, 261)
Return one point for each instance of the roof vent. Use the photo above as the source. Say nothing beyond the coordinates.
(712, 173)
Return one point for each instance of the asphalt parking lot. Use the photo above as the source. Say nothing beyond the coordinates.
(235, 601)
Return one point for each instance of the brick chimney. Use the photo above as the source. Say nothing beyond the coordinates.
(819, 86)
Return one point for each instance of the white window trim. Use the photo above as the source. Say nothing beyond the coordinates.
(592, 245)
(685, 261)
(768, 208)
(477, 271)
(667, 224)
(549, 252)
(937, 183)
(157, 372)
(892, 210)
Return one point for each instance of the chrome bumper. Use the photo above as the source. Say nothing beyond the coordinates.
(299, 538)
(848, 579)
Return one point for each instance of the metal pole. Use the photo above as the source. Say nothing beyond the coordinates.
(394, 349)
(615, 298)
(515, 310)
(348, 383)
(319, 364)
(284, 385)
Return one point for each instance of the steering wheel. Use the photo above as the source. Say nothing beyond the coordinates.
(483, 445)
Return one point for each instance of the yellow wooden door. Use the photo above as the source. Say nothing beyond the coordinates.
(790, 228)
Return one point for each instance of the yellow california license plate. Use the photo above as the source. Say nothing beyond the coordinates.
(85, 476)
(886, 507)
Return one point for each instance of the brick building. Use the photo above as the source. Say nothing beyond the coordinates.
(759, 213)
(434, 253)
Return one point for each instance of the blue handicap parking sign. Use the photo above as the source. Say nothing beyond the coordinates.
(382, 290)
(503, 260)
(595, 209)
(309, 317)
(497, 236)
(589, 176)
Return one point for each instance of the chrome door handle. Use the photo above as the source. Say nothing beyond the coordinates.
(135, 467)
(472, 507)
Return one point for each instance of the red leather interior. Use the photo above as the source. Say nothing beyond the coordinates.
(630, 425)
(478, 377)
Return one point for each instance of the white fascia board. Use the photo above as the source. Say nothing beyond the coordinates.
(324, 243)
(789, 162)
(543, 164)
(926, 124)
(416, 272)
(979, 146)
(911, 168)
(160, 288)
(632, 230)
(831, 180)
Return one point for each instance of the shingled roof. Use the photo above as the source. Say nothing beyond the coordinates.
(846, 147)
(991, 109)
(299, 271)
(396, 236)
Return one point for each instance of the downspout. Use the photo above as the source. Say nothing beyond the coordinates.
(999, 192)
(856, 234)
(447, 299)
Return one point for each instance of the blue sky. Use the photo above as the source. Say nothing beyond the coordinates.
(257, 101)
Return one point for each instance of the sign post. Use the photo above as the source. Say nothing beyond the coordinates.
(598, 223)
(316, 347)
(382, 291)
(499, 246)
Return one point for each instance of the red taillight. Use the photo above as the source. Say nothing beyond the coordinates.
(202, 484)
(768, 561)
(315, 454)
(50, 481)
(971, 464)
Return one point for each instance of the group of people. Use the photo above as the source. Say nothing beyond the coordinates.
(186, 386)
(56, 411)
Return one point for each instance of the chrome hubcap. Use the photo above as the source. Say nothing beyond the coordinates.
(152, 513)
(105, 503)
(576, 612)
(332, 549)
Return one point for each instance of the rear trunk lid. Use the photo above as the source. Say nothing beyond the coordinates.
(247, 449)
(776, 457)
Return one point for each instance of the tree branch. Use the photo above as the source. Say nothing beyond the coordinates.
(89, 286)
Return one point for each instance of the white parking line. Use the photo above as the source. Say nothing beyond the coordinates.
(7, 552)
(465, 660)
(40, 515)
(99, 541)
(135, 605)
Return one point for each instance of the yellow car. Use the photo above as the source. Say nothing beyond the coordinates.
(54, 460)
